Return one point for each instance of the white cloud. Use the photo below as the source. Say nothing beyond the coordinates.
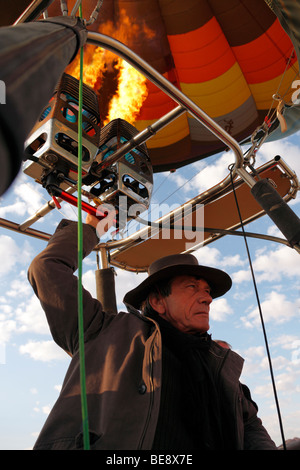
(287, 150)
(89, 282)
(44, 351)
(242, 295)
(264, 390)
(241, 276)
(208, 174)
(287, 342)
(257, 365)
(7, 328)
(44, 409)
(254, 351)
(5, 309)
(68, 212)
(272, 265)
(276, 308)
(178, 180)
(18, 208)
(9, 254)
(285, 382)
(254, 359)
(211, 256)
(211, 174)
(28, 198)
(273, 231)
(30, 317)
(12, 254)
(29, 193)
(278, 362)
(20, 286)
(126, 281)
(220, 309)
(234, 260)
(26, 316)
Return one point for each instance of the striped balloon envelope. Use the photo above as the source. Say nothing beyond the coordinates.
(233, 58)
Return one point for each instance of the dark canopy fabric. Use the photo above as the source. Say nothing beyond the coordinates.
(288, 14)
(32, 58)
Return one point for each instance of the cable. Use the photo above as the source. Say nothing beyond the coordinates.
(217, 231)
(75, 8)
(166, 198)
(260, 313)
(84, 408)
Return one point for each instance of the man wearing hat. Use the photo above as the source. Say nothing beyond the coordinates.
(155, 379)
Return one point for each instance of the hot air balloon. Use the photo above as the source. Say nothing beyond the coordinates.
(230, 60)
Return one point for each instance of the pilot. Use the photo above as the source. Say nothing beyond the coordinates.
(155, 378)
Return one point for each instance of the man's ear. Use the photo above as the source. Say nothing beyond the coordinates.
(157, 303)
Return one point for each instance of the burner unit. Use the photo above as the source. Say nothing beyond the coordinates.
(53, 142)
(130, 176)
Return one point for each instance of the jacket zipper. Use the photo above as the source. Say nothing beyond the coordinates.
(151, 396)
(236, 398)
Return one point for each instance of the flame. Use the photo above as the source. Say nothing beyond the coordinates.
(93, 66)
(131, 94)
(131, 90)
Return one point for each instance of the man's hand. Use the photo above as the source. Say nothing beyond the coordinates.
(91, 220)
(102, 225)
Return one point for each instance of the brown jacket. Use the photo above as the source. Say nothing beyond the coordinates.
(122, 360)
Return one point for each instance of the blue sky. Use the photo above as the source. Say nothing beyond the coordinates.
(32, 367)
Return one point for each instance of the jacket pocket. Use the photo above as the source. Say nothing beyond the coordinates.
(69, 443)
(94, 438)
(66, 443)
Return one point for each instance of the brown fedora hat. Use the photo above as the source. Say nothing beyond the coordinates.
(178, 265)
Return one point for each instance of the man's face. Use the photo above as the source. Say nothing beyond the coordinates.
(187, 307)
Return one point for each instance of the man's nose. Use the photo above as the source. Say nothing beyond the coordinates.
(205, 297)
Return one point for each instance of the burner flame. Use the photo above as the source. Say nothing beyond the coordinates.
(121, 88)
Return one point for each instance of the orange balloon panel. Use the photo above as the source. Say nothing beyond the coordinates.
(229, 57)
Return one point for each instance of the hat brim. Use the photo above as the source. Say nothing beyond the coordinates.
(219, 281)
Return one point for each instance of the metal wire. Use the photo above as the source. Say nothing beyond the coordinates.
(262, 321)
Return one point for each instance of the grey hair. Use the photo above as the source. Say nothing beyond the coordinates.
(164, 289)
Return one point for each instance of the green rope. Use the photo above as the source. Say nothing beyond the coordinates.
(84, 409)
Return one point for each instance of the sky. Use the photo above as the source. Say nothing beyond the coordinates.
(32, 366)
